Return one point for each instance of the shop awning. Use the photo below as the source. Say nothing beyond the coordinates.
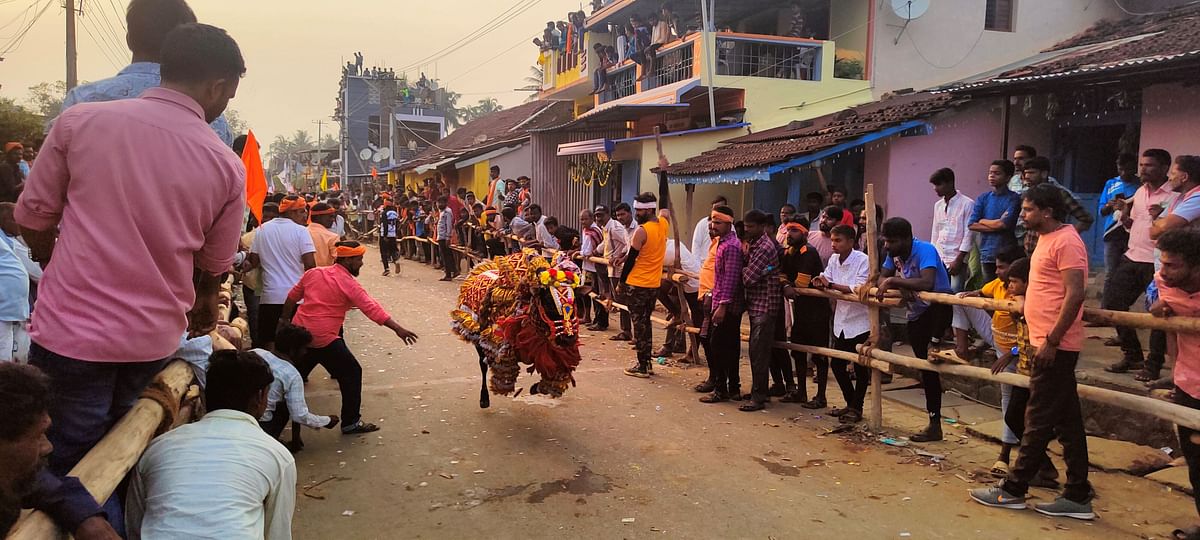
(590, 146)
(486, 156)
(431, 166)
(661, 100)
(763, 173)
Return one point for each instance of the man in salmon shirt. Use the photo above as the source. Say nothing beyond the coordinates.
(1054, 313)
(134, 210)
(328, 293)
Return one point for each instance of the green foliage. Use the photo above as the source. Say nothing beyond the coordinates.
(47, 97)
(18, 123)
(848, 68)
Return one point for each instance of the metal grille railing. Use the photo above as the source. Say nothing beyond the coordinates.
(622, 82)
(671, 66)
(747, 58)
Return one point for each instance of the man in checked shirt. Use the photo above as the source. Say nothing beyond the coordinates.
(764, 300)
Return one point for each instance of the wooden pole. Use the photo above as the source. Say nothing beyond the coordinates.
(874, 313)
(685, 309)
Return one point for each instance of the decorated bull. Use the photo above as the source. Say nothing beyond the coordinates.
(520, 309)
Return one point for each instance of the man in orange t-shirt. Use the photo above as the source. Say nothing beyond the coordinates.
(1054, 312)
(642, 276)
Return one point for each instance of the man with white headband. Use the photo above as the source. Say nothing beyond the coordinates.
(642, 276)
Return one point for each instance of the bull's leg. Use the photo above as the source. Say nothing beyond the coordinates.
(485, 400)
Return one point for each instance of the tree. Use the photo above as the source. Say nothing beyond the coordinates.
(533, 82)
(18, 123)
(302, 141)
(452, 112)
(485, 107)
(47, 97)
(236, 125)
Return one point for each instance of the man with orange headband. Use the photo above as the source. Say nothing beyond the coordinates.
(324, 239)
(284, 249)
(723, 320)
(328, 293)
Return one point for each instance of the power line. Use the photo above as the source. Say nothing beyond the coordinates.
(24, 16)
(100, 45)
(99, 36)
(509, 14)
(485, 62)
(15, 42)
(117, 12)
(111, 36)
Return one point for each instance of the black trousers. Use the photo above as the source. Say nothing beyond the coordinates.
(854, 392)
(1127, 283)
(781, 363)
(1014, 417)
(449, 261)
(1053, 410)
(724, 353)
(337, 359)
(932, 323)
(387, 251)
(809, 327)
(1191, 450)
(268, 323)
(278, 421)
(600, 285)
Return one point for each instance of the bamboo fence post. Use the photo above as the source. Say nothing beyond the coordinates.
(874, 313)
(685, 309)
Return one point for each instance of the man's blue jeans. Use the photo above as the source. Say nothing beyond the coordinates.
(89, 398)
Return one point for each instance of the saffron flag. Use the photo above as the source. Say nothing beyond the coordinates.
(256, 179)
(324, 180)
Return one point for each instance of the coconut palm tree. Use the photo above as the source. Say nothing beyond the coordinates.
(485, 107)
(533, 82)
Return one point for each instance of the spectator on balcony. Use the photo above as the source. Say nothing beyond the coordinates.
(641, 43)
(561, 33)
(661, 34)
(798, 27)
(608, 58)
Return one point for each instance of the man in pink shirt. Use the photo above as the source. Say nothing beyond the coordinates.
(1179, 295)
(1136, 270)
(1054, 313)
(328, 293)
(131, 200)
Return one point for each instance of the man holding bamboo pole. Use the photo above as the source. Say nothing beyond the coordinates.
(1054, 312)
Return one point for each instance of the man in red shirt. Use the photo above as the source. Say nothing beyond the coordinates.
(328, 293)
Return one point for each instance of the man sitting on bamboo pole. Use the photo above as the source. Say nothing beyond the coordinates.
(1054, 312)
(149, 203)
(915, 266)
(220, 477)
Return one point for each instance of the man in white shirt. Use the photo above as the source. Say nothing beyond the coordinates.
(284, 250)
(846, 271)
(339, 222)
(591, 240)
(285, 401)
(533, 214)
(701, 241)
(221, 477)
(951, 235)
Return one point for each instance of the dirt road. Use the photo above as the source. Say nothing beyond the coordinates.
(619, 457)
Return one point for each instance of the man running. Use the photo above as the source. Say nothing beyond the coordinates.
(328, 293)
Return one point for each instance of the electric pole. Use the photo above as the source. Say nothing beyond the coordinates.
(72, 54)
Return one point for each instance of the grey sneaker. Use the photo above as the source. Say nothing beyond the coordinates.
(1062, 507)
(996, 497)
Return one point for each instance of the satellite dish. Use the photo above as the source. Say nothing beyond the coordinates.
(365, 153)
(377, 158)
(481, 138)
(910, 9)
(385, 153)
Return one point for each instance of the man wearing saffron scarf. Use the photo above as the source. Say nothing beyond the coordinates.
(321, 229)
(284, 249)
(328, 293)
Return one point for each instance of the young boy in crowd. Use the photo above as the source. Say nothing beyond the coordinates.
(846, 271)
(999, 330)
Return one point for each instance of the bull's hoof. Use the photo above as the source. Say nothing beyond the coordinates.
(485, 400)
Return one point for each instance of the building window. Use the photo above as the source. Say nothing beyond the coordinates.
(373, 129)
(999, 16)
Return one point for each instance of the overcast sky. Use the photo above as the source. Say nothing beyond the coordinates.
(293, 48)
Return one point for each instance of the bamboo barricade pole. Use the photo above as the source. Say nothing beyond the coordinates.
(685, 308)
(107, 463)
(874, 313)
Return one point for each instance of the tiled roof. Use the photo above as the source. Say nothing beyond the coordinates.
(1113, 45)
(804, 137)
(496, 129)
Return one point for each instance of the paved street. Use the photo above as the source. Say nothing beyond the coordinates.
(619, 457)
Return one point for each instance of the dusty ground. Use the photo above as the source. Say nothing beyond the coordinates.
(619, 457)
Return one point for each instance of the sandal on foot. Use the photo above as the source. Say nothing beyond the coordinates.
(704, 387)
(840, 411)
(714, 398)
(752, 406)
(359, 427)
(999, 469)
(793, 397)
(818, 403)
(1146, 375)
(851, 417)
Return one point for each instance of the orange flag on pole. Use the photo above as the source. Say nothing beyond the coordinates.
(256, 179)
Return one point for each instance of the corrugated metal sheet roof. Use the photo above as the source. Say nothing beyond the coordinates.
(495, 130)
(799, 138)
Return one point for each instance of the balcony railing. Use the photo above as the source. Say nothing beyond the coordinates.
(781, 58)
(622, 82)
(671, 65)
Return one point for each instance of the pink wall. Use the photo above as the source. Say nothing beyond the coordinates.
(965, 140)
(1169, 113)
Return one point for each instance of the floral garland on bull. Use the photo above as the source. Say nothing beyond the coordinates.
(520, 309)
